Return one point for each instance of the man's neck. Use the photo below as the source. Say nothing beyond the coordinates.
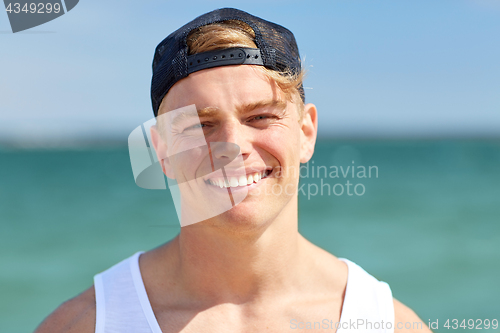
(213, 263)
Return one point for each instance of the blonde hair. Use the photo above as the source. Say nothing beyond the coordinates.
(234, 33)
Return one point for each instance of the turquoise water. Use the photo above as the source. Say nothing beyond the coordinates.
(429, 224)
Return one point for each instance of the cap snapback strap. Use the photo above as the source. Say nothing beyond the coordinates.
(224, 57)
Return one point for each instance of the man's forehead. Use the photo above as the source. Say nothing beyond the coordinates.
(222, 84)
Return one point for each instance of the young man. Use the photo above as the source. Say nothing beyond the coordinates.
(242, 267)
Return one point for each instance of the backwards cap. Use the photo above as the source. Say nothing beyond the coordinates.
(276, 50)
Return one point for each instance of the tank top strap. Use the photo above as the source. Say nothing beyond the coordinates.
(368, 303)
(122, 305)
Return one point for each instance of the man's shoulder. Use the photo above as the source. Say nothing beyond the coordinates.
(75, 315)
(407, 321)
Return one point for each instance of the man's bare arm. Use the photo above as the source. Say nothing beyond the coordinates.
(74, 316)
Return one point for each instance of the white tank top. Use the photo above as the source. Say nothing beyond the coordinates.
(122, 305)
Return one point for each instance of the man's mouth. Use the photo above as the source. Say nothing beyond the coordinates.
(249, 179)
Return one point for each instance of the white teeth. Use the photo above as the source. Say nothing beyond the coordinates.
(233, 182)
(256, 177)
(238, 181)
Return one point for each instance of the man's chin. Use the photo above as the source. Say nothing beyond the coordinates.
(242, 217)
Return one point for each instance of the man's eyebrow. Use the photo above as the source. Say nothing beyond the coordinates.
(273, 103)
(205, 112)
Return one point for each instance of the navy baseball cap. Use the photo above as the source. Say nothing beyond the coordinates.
(276, 50)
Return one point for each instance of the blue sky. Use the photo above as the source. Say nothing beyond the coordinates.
(384, 68)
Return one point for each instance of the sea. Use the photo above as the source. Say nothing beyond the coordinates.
(421, 215)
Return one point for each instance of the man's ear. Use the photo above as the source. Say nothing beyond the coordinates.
(308, 133)
(160, 147)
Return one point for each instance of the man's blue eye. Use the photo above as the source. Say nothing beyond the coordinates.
(195, 127)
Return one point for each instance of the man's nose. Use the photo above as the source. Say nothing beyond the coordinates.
(232, 140)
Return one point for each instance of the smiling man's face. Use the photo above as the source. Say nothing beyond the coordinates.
(239, 105)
